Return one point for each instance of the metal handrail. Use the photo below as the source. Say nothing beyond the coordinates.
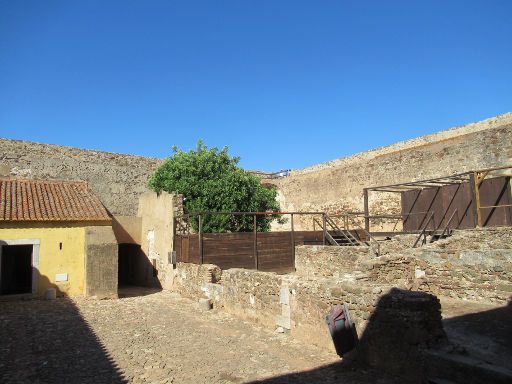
(329, 221)
(423, 231)
(391, 218)
(338, 229)
(449, 221)
(327, 235)
(367, 234)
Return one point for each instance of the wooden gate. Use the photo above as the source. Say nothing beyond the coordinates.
(265, 251)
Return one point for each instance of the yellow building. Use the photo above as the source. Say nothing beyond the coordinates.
(55, 234)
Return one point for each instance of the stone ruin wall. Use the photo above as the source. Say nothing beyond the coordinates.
(473, 265)
(393, 299)
(117, 179)
(337, 186)
(299, 303)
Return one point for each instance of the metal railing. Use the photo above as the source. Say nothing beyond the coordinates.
(346, 229)
(423, 232)
(449, 222)
(337, 230)
(391, 219)
(367, 234)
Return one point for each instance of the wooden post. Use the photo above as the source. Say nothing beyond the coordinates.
(324, 223)
(366, 211)
(475, 196)
(478, 209)
(255, 247)
(200, 238)
(293, 238)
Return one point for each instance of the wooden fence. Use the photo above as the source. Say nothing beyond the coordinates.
(265, 251)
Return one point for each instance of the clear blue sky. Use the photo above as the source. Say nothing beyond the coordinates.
(284, 84)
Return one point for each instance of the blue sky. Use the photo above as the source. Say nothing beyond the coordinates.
(284, 84)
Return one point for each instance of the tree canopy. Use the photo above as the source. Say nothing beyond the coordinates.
(211, 180)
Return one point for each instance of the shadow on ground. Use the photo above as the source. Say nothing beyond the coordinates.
(337, 373)
(407, 338)
(487, 334)
(134, 291)
(48, 341)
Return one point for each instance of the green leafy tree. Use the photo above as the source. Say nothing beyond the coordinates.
(211, 180)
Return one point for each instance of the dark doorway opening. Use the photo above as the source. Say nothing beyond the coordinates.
(129, 255)
(16, 269)
(137, 275)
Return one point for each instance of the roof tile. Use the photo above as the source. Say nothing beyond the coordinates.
(49, 200)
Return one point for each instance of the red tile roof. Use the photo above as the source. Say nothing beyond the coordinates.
(40, 200)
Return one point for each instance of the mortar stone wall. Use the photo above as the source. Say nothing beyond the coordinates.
(101, 262)
(295, 302)
(117, 179)
(337, 186)
(299, 304)
(157, 213)
(469, 266)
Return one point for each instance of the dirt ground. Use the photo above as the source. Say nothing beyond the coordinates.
(484, 330)
(155, 338)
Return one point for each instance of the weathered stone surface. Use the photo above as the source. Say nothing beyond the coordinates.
(471, 265)
(389, 297)
(117, 179)
(476, 239)
(205, 304)
(318, 260)
(337, 186)
(284, 295)
(101, 262)
(310, 299)
(157, 212)
(283, 321)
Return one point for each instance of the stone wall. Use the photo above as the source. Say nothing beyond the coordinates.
(296, 303)
(329, 261)
(248, 294)
(117, 179)
(471, 265)
(157, 212)
(194, 280)
(337, 186)
(299, 305)
(101, 262)
(475, 239)
(128, 229)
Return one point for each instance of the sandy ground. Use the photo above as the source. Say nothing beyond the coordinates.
(483, 330)
(155, 338)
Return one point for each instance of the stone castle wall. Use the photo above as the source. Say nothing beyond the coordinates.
(117, 179)
(337, 186)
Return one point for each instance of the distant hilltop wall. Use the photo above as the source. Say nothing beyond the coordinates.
(337, 186)
(117, 179)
